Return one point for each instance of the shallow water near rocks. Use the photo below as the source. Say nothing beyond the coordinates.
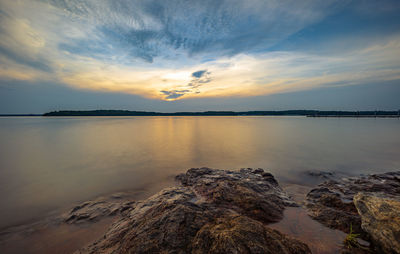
(51, 236)
(49, 164)
(320, 239)
(296, 223)
(50, 239)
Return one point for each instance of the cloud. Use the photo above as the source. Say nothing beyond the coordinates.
(198, 74)
(21, 43)
(199, 78)
(183, 49)
(174, 94)
(154, 28)
(246, 75)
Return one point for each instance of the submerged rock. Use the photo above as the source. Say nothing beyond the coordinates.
(99, 208)
(380, 218)
(324, 175)
(331, 203)
(214, 211)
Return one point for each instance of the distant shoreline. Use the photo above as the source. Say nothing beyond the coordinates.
(19, 115)
(307, 113)
(356, 116)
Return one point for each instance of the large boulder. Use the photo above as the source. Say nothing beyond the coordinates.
(331, 203)
(213, 211)
(250, 192)
(380, 218)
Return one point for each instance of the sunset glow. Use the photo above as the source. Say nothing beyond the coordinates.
(156, 51)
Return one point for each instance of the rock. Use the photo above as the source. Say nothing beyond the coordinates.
(332, 209)
(214, 211)
(380, 217)
(331, 203)
(315, 177)
(240, 234)
(96, 209)
(250, 192)
(321, 174)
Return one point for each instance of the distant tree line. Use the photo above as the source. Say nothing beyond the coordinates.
(310, 113)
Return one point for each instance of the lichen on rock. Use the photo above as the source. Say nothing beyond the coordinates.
(380, 218)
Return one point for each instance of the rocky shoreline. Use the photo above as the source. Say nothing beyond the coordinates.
(367, 205)
(213, 211)
(223, 211)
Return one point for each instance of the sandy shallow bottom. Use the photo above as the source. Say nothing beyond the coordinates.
(296, 223)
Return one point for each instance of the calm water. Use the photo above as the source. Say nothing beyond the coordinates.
(50, 163)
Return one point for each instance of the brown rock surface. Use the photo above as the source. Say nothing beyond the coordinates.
(214, 211)
(380, 218)
(240, 234)
(99, 208)
(331, 203)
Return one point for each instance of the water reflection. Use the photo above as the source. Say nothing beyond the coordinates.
(48, 163)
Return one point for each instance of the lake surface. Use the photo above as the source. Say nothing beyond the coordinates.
(51, 163)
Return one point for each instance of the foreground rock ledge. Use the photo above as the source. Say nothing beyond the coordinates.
(369, 204)
(380, 218)
(213, 211)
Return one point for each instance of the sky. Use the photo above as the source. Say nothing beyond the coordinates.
(197, 55)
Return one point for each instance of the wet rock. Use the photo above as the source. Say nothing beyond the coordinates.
(331, 203)
(314, 177)
(213, 211)
(94, 210)
(320, 174)
(380, 218)
(333, 209)
(250, 192)
(232, 234)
